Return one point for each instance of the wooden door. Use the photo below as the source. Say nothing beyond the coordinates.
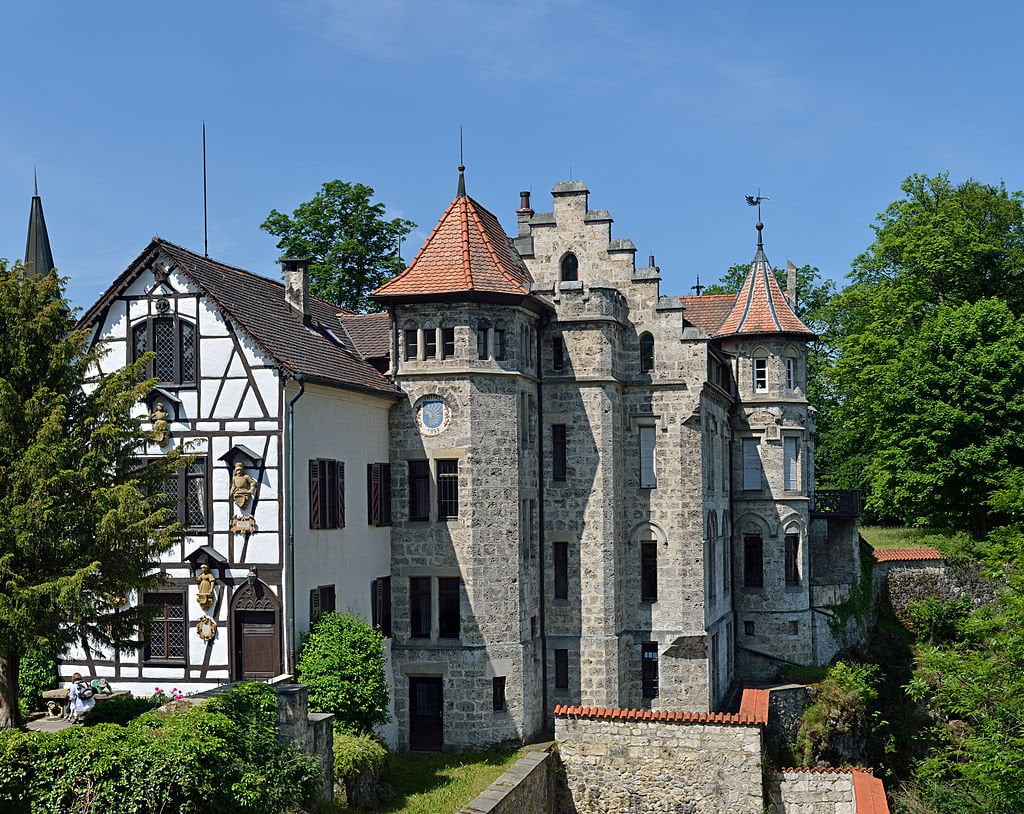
(257, 645)
(426, 714)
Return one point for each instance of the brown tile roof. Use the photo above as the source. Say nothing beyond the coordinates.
(709, 311)
(321, 351)
(869, 794)
(753, 710)
(760, 307)
(370, 333)
(904, 554)
(468, 251)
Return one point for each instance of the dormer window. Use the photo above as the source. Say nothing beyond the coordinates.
(173, 341)
(646, 353)
(570, 268)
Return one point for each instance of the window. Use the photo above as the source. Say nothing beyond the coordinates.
(648, 474)
(560, 551)
(794, 628)
(165, 631)
(483, 350)
(748, 628)
(447, 489)
(649, 669)
(447, 343)
(378, 494)
(419, 607)
(380, 604)
(190, 494)
(792, 559)
(500, 349)
(326, 494)
(561, 669)
(498, 693)
(790, 460)
(649, 572)
(174, 342)
(524, 420)
(760, 375)
(558, 452)
(712, 560)
(790, 373)
(321, 600)
(570, 268)
(753, 562)
(448, 616)
(751, 465)
(557, 352)
(411, 344)
(419, 490)
(430, 343)
(646, 352)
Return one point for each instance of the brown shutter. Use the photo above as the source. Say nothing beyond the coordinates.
(314, 495)
(341, 494)
(327, 599)
(385, 494)
(371, 488)
(314, 605)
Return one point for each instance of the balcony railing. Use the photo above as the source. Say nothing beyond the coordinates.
(836, 503)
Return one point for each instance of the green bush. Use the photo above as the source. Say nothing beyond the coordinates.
(358, 753)
(342, 663)
(119, 710)
(840, 711)
(37, 672)
(220, 757)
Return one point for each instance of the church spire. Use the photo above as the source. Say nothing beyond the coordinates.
(38, 257)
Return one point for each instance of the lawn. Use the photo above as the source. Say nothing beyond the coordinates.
(442, 782)
(903, 536)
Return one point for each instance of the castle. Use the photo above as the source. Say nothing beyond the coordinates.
(578, 491)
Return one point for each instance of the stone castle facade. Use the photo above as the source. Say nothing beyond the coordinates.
(601, 495)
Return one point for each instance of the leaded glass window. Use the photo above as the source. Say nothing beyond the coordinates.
(165, 632)
(173, 341)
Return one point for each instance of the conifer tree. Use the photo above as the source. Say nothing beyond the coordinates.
(81, 519)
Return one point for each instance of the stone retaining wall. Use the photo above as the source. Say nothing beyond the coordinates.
(826, 791)
(526, 788)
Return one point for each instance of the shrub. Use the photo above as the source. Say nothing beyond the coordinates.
(359, 761)
(37, 672)
(342, 663)
(119, 710)
(836, 724)
(223, 756)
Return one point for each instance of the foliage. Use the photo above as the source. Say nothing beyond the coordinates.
(120, 710)
(342, 662)
(352, 247)
(80, 521)
(859, 601)
(840, 707)
(221, 757)
(358, 753)
(37, 673)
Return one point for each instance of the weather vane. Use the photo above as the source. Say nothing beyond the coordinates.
(755, 200)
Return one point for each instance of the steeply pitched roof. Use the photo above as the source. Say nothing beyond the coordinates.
(708, 311)
(321, 350)
(37, 247)
(761, 307)
(468, 252)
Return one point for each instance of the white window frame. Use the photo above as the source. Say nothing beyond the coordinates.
(648, 441)
(790, 373)
(790, 463)
(760, 374)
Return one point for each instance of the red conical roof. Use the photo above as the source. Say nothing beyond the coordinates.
(468, 251)
(761, 307)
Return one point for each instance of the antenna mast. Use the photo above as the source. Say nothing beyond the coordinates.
(206, 244)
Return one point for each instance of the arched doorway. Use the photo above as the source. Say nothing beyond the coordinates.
(256, 625)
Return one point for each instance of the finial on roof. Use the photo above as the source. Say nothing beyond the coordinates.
(37, 247)
(698, 288)
(461, 192)
(35, 182)
(760, 228)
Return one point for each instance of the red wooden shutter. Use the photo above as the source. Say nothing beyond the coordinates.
(385, 494)
(314, 495)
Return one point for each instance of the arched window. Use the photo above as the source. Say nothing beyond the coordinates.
(570, 268)
(173, 341)
(646, 352)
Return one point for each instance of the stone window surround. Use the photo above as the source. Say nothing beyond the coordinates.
(432, 456)
(434, 640)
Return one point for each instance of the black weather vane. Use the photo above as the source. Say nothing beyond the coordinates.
(755, 200)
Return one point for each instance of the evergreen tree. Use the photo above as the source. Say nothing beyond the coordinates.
(81, 521)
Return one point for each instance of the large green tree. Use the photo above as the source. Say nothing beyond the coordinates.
(81, 523)
(352, 246)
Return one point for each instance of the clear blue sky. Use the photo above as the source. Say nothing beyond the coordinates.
(670, 111)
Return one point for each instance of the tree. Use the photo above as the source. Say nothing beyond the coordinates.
(80, 521)
(342, 662)
(352, 247)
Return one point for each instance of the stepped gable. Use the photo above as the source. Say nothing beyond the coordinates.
(761, 307)
(708, 311)
(468, 252)
(320, 351)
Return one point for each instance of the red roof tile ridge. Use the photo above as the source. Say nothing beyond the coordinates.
(869, 794)
(903, 554)
(492, 250)
(754, 704)
(423, 248)
(664, 715)
(761, 298)
(467, 265)
(822, 769)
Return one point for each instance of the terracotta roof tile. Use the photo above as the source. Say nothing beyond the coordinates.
(754, 704)
(905, 554)
(468, 251)
(761, 307)
(869, 794)
(745, 717)
(709, 311)
(320, 350)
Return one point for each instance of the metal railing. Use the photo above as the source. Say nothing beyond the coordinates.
(836, 503)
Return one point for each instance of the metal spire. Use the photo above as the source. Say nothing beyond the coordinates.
(38, 256)
(461, 192)
(755, 200)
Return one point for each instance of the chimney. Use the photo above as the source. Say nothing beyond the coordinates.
(650, 261)
(524, 213)
(296, 285)
(791, 284)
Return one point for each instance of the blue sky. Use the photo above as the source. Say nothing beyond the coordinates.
(670, 111)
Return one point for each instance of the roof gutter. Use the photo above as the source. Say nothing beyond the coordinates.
(289, 554)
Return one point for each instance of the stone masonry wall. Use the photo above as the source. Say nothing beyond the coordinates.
(804, 792)
(526, 788)
(616, 766)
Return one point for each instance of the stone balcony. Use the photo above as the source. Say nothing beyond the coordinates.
(836, 503)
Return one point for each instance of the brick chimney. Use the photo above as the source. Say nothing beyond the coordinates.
(524, 213)
(296, 285)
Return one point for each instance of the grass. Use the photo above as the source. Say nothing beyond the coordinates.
(901, 536)
(441, 782)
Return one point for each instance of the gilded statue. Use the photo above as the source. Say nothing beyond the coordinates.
(206, 581)
(161, 426)
(243, 487)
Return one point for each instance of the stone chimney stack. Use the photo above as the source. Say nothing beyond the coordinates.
(524, 213)
(791, 283)
(296, 285)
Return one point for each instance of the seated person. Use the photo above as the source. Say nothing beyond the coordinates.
(80, 698)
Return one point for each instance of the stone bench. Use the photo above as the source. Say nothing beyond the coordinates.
(57, 706)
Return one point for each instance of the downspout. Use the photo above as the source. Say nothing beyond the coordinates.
(289, 553)
(540, 523)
